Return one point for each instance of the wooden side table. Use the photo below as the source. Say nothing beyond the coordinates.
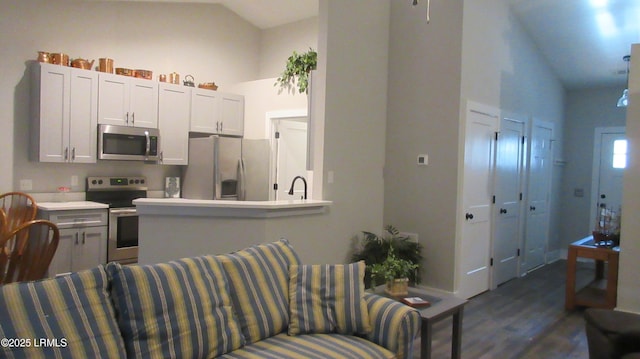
(601, 292)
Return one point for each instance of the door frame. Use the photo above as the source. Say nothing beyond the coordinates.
(270, 118)
(595, 174)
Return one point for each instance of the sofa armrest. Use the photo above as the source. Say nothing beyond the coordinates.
(395, 326)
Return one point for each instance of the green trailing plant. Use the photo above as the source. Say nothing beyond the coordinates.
(297, 71)
(375, 249)
(392, 268)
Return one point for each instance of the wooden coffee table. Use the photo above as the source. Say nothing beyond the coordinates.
(442, 306)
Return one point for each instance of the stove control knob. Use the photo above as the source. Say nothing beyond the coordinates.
(137, 181)
(142, 181)
(94, 182)
(130, 181)
(99, 181)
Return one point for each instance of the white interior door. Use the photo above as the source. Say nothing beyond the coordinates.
(290, 138)
(538, 193)
(508, 200)
(477, 191)
(610, 160)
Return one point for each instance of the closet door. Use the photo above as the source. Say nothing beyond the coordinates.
(538, 194)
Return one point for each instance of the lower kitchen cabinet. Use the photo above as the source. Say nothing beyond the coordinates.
(83, 239)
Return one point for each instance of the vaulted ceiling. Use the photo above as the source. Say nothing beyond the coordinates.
(583, 40)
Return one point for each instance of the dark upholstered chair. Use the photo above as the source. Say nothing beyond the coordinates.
(612, 334)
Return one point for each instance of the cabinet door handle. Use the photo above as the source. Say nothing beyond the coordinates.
(73, 154)
(503, 211)
(66, 153)
(221, 123)
(127, 119)
(76, 237)
(217, 126)
(468, 216)
(84, 237)
(133, 118)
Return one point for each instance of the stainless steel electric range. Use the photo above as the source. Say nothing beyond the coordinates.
(119, 193)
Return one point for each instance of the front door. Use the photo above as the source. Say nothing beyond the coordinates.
(611, 160)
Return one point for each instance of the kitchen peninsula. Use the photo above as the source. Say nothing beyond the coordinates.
(172, 228)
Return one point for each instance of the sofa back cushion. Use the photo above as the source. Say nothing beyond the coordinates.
(259, 281)
(328, 299)
(179, 309)
(63, 317)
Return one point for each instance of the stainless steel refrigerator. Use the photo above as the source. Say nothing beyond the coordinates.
(227, 168)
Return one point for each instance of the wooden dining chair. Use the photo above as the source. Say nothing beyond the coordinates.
(19, 208)
(27, 251)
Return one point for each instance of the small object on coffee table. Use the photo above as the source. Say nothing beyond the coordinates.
(415, 302)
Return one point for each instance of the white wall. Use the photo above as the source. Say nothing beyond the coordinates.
(628, 280)
(278, 43)
(206, 41)
(423, 116)
(502, 67)
(352, 68)
(473, 51)
(586, 109)
(261, 97)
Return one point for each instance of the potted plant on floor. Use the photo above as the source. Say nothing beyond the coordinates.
(395, 273)
(375, 249)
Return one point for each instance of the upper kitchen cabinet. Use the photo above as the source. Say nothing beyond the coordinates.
(216, 113)
(173, 119)
(127, 101)
(64, 111)
(231, 114)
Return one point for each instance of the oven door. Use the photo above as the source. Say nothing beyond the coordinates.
(123, 235)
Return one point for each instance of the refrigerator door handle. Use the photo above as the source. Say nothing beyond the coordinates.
(241, 180)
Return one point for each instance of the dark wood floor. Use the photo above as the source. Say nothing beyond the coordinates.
(523, 318)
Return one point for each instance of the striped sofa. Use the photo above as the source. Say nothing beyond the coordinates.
(260, 302)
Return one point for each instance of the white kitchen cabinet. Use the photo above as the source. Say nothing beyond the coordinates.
(231, 115)
(217, 113)
(83, 239)
(127, 101)
(205, 109)
(64, 114)
(173, 120)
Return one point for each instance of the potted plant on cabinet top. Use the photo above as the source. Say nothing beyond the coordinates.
(375, 249)
(395, 273)
(297, 71)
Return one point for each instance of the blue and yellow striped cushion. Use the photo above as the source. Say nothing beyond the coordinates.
(312, 346)
(259, 281)
(328, 299)
(180, 309)
(74, 312)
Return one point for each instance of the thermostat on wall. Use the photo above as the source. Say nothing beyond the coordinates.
(423, 160)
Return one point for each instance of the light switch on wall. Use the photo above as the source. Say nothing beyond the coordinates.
(423, 160)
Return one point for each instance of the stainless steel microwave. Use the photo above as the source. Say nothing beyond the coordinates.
(128, 143)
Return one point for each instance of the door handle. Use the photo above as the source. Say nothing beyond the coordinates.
(503, 210)
(532, 208)
(468, 216)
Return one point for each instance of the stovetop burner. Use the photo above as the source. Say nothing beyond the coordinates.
(117, 192)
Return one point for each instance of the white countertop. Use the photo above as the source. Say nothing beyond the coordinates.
(217, 208)
(68, 206)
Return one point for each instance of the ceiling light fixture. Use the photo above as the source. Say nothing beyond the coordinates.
(623, 101)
